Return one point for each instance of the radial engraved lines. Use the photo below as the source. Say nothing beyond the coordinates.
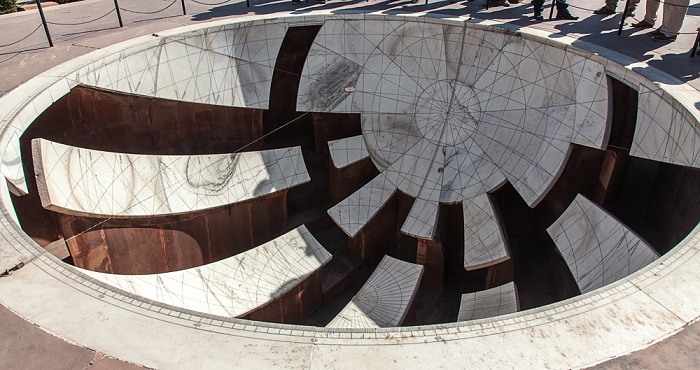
(95, 183)
(384, 299)
(597, 247)
(451, 112)
(234, 286)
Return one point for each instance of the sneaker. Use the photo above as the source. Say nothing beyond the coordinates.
(655, 32)
(566, 16)
(642, 24)
(663, 37)
(539, 17)
(604, 10)
(504, 3)
(630, 14)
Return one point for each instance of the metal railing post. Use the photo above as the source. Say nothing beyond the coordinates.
(184, 11)
(43, 21)
(551, 9)
(695, 44)
(119, 14)
(624, 15)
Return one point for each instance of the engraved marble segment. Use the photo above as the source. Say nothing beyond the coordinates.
(484, 244)
(487, 303)
(666, 131)
(597, 247)
(347, 151)
(94, 183)
(228, 65)
(233, 286)
(384, 299)
(355, 211)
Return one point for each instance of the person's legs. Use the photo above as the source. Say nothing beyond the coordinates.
(612, 4)
(651, 10)
(674, 13)
(608, 8)
(563, 11)
(539, 7)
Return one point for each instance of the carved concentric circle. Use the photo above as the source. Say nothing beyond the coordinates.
(447, 113)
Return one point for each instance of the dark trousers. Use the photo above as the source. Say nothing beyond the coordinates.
(562, 6)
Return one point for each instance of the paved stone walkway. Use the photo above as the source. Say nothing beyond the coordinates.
(25, 346)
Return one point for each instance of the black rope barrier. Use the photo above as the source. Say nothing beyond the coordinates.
(151, 12)
(23, 38)
(80, 23)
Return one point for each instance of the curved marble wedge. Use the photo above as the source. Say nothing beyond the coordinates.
(484, 244)
(385, 298)
(355, 211)
(666, 128)
(492, 302)
(347, 151)
(236, 285)
(94, 183)
(597, 247)
(229, 65)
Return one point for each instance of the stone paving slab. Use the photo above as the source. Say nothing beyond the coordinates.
(25, 346)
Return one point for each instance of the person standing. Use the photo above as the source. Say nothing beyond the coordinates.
(674, 14)
(650, 16)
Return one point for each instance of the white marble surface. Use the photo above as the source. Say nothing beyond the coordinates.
(487, 303)
(626, 316)
(234, 286)
(384, 299)
(667, 127)
(94, 183)
(598, 248)
(223, 64)
(451, 112)
(228, 65)
(484, 244)
(355, 211)
(18, 109)
(347, 151)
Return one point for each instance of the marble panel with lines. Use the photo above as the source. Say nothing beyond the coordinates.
(384, 299)
(487, 303)
(597, 247)
(234, 286)
(94, 183)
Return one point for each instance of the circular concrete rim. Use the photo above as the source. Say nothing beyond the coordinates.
(665, 287)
